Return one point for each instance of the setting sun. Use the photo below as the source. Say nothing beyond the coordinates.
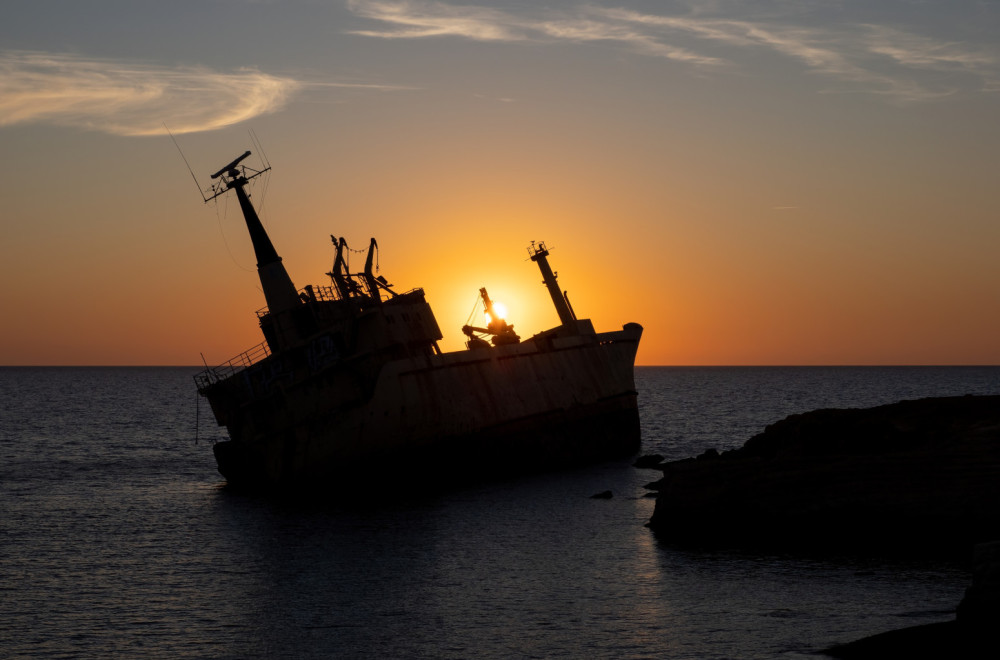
(499, 309)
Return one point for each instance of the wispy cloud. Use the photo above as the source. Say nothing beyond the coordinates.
(858, 58)
(132, 99)
(413, 19)
(843, 54)
(919, 51)
(435, 19)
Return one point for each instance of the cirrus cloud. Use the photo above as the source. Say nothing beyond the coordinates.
(132, 98)
(861, 58)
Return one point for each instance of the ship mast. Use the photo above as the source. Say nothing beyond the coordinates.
(279, 291)
(539, 254)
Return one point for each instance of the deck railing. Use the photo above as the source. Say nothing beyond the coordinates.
(250, 357)
(312, 292)
(245, 359)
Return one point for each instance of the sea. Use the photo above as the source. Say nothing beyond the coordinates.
(118, 538)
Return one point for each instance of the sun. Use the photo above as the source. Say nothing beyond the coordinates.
(500, 310)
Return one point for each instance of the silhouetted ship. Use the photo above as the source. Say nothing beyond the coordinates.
(350, 382)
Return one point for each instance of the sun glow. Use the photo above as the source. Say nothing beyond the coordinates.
(500, 310)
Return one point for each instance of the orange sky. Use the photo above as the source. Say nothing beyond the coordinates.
(826, 197)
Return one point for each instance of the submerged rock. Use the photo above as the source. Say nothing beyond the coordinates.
(921, 474)
(649, 461)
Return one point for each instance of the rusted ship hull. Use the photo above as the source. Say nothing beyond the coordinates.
(542, 403)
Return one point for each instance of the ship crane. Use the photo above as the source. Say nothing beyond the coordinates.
(341, 279)
(347, 284)
(502, 332)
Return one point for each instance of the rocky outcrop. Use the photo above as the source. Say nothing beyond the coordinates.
(980, 609)
(973, 633)
(915, 474)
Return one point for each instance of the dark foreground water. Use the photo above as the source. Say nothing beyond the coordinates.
(116, 539)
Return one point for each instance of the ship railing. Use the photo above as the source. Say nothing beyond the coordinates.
(310, 293)
(322, 294)
(225, 370)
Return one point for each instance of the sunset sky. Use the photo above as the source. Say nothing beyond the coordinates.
(755, 182)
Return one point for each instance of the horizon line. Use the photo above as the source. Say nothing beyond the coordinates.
(201, 367)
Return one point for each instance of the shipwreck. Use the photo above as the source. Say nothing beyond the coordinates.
(350, 381)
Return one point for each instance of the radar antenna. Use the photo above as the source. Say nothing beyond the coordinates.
(233, 175)
(231, 167)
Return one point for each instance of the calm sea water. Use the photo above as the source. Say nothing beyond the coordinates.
(116, 539)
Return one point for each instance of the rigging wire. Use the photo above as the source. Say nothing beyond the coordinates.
(197, 415)
(260, 148)
(225, 241)
(473, 312)
(267, 165)
(263, 193)
(174, 140)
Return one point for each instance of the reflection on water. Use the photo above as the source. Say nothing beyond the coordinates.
(118, 540)
(533, 567)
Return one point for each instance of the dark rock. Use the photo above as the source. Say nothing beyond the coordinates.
(708, 454)
(930, 641)
(980, 608)
(605, 495)
(921, 474)
(649, 461)
(971, 635)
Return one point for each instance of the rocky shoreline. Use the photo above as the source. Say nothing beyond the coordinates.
(972, 634)
(918, 477)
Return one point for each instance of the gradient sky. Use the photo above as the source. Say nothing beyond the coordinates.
(755, 182)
